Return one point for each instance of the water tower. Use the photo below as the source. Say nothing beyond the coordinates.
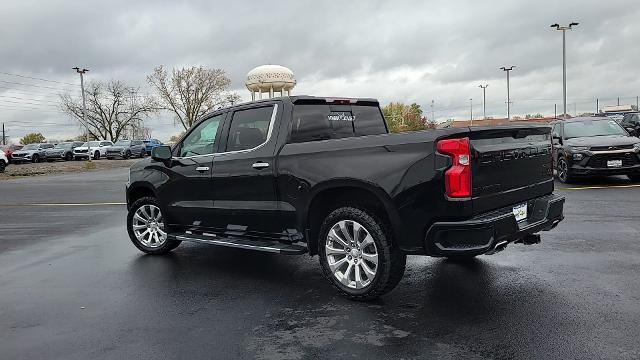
(270, 79)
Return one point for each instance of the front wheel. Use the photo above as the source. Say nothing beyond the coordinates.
(146, 227)
(356, 254)
(564, 172)
(96, 155)
(35, 158)
(3, 166)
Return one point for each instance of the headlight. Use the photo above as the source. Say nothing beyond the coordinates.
(579, 148)
(636, 146)
(578, 156)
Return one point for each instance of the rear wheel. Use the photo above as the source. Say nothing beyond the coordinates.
(68, 157)
(564, 173)
(356, 254)
(146, 227)
(3, 166)
(35, 158)
(127, 154)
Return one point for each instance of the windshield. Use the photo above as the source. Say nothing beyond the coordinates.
(30, 147)
(63, 146)
(92, 144)
(122, 142)
(588, 128)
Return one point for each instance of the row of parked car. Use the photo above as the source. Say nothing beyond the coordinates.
(78, 150)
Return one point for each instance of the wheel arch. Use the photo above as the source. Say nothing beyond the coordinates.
(139, 190)
(328, 196)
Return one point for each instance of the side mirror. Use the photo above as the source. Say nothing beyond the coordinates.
(557, 140)
(161, 153)
(631, 131)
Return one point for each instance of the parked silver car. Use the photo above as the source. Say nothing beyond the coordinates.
(62, 151)
(31, 152)
(126, 148)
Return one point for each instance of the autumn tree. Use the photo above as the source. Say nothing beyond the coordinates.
(401, 117)
(113, 109)
(32, 138)
(191, 92)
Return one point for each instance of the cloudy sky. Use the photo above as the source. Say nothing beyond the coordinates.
(409, 51)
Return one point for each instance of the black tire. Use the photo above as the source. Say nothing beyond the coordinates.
(3, 166)
(127, 154)
(391, 262)
(161, 250)
(563, 171)
(142, 154)
(109, 158)
(35, 158)
(49, 160)
(96, 155)
(68, 157)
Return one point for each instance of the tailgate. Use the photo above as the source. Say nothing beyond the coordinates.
(511, 164)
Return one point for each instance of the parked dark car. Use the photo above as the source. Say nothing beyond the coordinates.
(150, 144)
(322, 175)
(631, 123)
(125, 149)
(31, 152)
(62, 151)
(594, 146)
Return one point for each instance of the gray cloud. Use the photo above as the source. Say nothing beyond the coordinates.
(395, 51)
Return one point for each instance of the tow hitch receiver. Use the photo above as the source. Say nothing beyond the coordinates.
(529, 239)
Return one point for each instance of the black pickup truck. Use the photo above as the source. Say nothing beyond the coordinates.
(323, 176)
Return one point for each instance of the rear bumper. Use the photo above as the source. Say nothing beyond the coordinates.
(483, 233)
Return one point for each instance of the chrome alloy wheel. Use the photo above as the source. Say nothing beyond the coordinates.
(148, 226)
(351, 254)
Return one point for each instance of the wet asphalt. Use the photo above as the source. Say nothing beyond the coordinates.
(72, 286)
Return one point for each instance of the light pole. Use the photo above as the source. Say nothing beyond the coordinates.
(508, 69)
(484, 100)
(471, 105)
(84, 107)
(564, 63)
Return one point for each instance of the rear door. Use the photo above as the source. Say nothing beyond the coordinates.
(511, 164)
(243, 174)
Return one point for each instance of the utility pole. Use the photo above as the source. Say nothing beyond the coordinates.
(433, 114)
(637, 109)
(597, 106)
(555, 111)
(564, 62)
(484, 100)
(618, 100)
(84, 107)
(508, 69)
(4, 136)
(471, 104)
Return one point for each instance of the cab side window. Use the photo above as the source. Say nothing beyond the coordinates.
(203, 139)
(555, 131)
(249, 128)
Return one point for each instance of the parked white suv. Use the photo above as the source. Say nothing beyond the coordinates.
(96, 150)
(3, 161)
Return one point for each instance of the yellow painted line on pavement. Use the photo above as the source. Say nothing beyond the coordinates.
(600, 187)
(68, 204)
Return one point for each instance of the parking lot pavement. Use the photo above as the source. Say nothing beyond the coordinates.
(82, 291)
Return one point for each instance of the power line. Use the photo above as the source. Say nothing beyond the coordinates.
(36, 78)
(27, 103)
(31, 99)
(32, 85)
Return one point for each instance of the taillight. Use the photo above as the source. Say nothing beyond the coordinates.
(457, 178)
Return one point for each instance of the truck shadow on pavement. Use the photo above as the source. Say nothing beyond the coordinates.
(502, 310)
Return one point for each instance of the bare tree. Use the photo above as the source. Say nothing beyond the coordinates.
(113, 108)
(192, 92)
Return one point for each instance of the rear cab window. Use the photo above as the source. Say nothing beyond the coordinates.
(315, 122)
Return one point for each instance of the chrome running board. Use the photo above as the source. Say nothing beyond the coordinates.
(257, 245)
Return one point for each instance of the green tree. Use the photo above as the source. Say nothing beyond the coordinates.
(32, 138)
(401, 117)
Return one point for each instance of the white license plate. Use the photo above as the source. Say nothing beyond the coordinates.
(520, 212)
(614, 163)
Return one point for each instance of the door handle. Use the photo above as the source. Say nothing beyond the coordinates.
(202, 168)
(260, 165)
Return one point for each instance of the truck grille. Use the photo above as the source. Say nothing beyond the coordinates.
(600, 161)
(81, 151)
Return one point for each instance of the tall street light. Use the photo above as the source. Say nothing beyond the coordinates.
(484, 100)
(508, 69)
(84, 107)
(564, 63)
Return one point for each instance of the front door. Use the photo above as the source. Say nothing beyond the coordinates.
(187, 195)
(244, 173)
